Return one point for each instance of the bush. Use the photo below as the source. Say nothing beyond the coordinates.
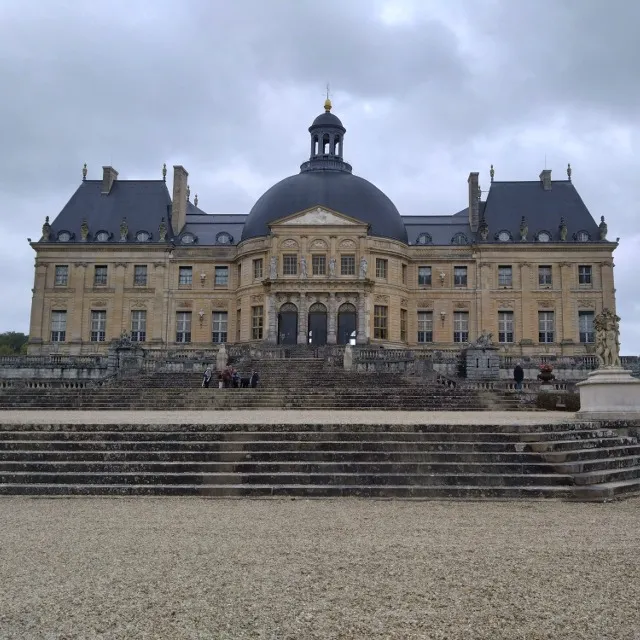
(549, 401)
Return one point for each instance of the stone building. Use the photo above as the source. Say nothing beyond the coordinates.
(323, 257)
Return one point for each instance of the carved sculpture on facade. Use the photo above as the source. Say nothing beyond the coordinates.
(484, 340)
(84, 230)
(363, 267)
(124, 230)
(162, 230)
(303, 267)
(273, 267)
(607, 327)
(603, 228)
(483, 229)
(563, 229)
(332, 268)
(524, 229)
(46, 230)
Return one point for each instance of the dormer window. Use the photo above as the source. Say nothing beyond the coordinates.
(423, 238)
(503, 236)
(224, 238)
(459, 238)
(143, 236)
(543, 236)
(582, 236)
(188, 238)
(64, 236)
(102, 236)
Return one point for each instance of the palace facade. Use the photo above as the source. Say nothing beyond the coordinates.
(323, 257)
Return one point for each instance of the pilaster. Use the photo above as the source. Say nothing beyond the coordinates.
(272, 319)
(361, 334)
(332, 319)
(115, 324)
(303, 319)
(76, 317)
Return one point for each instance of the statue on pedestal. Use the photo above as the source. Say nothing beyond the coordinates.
(363, 267)
(332, 268)
(484, 340)
(303, 267)
(273, 268)
(607, 338)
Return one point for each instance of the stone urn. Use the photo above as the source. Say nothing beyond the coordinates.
(546, 373)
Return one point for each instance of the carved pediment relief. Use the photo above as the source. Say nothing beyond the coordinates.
(289, 243)
(347, 244)
(425, 304)
(545, 304)
(586, 304)
(184, 304)
(318, 216)
(318, 244)
(506, 304)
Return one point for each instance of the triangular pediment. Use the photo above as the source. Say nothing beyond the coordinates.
(318, 216)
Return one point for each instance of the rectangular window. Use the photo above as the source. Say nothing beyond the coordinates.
(347, 265)
(425, 326)
(544, 276)
(461, 326)
(58, 326)
(545, 326)
(424, 276)
(98, 326)
(140, 275)
(318, 265)
(403, 325)
(404, 274)
(505, 326)
(257, 269)
(183, 326)
(100, 276)
(505, 276)
(585, 326)
(257, 323)
(381, 268)
(460, 276)
(290, 264)
(185, 276)
(585, 275)
(62, 275)
(238, 324)
(380, 325)
(221, 277)
(138, 326)
(219, 327)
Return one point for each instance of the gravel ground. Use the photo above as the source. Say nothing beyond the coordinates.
(285, 417)
(318, 569)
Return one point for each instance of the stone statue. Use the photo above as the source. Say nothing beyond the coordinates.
(46, 230)
(273, 268)
(483, 229)
(363, 267)
(303, 267)
(162, 230)
(332, 268)
(563, 229)
(524, 229)
(124, 230)
(484, 340)
(607, 329)
(84, 230)
(603, 228)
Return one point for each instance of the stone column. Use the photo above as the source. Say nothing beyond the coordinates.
(303, 320)
(332, 319)
(361, 334)
(272, 319)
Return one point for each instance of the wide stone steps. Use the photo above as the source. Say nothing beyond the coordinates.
(435, 461)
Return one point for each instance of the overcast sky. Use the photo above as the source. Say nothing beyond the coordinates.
(428, 91)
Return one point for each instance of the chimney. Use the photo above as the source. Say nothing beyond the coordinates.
(545, 179)
(179, 205)
(109, 176)
(474, 201)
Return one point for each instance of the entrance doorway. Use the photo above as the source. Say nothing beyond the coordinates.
(288, 324)
(317, 324)
(347, 324)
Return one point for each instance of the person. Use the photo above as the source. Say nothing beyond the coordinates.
(518, 376)
(235, 377)
(207, 377)
(253, 381)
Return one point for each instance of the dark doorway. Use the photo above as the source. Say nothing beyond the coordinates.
(288, 324)
(346, 323)
(317, 324)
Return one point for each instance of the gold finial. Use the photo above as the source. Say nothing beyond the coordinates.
(164, 171)
(195, 200)
(492, 173)
(327, 102)
(569, 171)
(84, 171)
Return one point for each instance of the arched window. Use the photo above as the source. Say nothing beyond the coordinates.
(224, 238)
(459, 238)
(187, 238)
(503, 236)
(582, 236)
(143, 236)
(64, 236)
(103, 236)
(326, 142)
(315, 146)
(336, 145)
(543, 236)
(423, 238)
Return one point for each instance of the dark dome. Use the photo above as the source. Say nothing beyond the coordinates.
(338, 190)
(327, 119)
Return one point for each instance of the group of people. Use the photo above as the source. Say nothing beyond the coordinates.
(230, 378)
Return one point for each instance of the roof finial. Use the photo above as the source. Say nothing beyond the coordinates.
(164, 171)
(569, 171)
(188, 193)
(492, 173)
(327, 102)
(84, 172)
(195, 200)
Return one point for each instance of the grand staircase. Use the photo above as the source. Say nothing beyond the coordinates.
(570, 461)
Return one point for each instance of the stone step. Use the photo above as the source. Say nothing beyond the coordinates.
(564, 445)
(599, 476)
(302, 491)
(603, 462)
(560, 457)
(607, 491)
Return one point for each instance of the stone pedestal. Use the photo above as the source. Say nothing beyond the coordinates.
(483, 363)
(348, 358)
(609, 394)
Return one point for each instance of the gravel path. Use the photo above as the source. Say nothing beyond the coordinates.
(285, 417)
(318, 569)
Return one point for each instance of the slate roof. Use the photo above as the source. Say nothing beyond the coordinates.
(143, 202)
(207, 227)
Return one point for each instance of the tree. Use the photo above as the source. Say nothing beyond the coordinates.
(13, 343)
